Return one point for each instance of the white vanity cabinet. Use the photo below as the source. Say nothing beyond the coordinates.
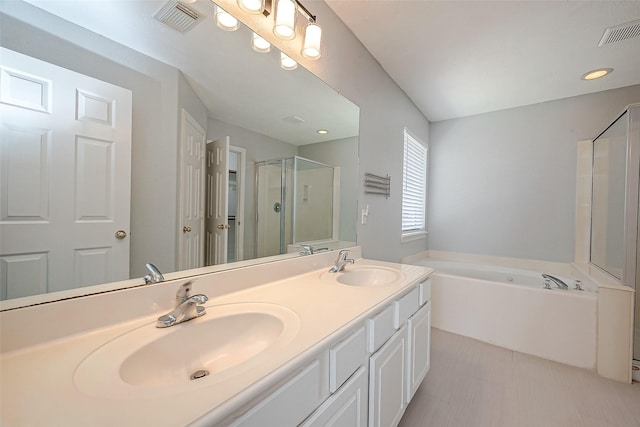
(331, 390)
(367, 377)
(398, 367)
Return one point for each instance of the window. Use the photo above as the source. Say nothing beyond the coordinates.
(414, 188)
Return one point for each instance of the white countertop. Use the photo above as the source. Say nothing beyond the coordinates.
(37, 382)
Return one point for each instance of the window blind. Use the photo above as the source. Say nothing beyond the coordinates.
(414, 185)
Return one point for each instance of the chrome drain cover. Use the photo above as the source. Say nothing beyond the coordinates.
(199, 374)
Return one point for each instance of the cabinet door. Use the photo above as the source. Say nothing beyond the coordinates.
(387, 382)
(419, 344)
(345, 408)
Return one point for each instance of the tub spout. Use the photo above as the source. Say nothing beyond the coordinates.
(559, 283)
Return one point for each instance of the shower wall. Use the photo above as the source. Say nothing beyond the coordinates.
(314, 214)
(297, 202)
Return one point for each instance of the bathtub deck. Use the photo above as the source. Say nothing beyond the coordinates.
(475, 384)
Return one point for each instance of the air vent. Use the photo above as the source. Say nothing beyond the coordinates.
(620, 32)
(178, 16)
(294, 120)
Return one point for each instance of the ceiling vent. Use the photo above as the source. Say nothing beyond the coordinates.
(178, 16)
(620, 32)
(294, 120)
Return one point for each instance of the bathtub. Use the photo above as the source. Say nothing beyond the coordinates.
(511, 308)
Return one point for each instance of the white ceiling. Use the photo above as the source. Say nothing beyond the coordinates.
(459, 58)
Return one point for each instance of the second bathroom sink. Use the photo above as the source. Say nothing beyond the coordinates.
(366, 275)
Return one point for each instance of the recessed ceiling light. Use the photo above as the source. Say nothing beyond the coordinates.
(596, 74)
(322, 131)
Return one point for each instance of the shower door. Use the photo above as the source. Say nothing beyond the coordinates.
(273, 207)
(615, 223)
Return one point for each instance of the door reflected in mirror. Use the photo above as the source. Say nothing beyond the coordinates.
(211, 76)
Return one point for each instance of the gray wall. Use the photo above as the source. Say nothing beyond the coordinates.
(384, 112)
(504, 183)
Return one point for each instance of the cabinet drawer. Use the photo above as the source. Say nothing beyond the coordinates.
(290, 403)
(406, 306)
(381, 327)
(345, 357)
(425, 291)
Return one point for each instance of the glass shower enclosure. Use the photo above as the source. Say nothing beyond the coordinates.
(615, 223)
(297, 202)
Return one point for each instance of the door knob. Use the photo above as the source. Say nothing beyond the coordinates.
(222, 226)
(186, 229)
(121, 234)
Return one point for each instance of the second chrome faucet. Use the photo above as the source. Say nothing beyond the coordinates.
(187, 307)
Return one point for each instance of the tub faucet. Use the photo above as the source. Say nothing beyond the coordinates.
(186, 308)
(341, 262)
(155, 276)
(559, 283)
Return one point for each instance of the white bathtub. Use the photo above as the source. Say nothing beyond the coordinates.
(511, 308)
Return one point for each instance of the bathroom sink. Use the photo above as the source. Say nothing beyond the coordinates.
(149, 361)
(365, 276)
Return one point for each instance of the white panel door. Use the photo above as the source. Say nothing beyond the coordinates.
(217, 200)
(192, 194)
(65, 159)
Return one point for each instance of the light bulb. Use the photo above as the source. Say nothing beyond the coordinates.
(259, 44)
(311, 45)
(285, 19)
(287, 63)
(253, 7)
(225, 21)
(596, 74)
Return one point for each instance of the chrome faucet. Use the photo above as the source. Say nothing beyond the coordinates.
(559, 283)
(155, 276)
(306, 250)
(341, 262)
(186, 308)
(310, 250)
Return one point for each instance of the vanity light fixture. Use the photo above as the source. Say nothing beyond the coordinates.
(284, 25)
(253, 7)
(596, 74)
(225, 20)
(259, 44)
(287, 63)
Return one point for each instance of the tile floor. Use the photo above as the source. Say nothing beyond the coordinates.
(474, 384)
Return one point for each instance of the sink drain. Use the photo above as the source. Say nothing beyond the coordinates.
(199, 374)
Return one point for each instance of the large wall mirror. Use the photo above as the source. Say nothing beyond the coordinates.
(194, 93)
